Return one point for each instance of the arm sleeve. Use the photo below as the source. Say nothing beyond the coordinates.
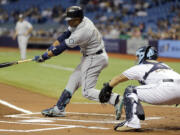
(64, 36)
(59, 49)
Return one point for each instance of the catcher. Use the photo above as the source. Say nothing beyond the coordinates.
(160, 86)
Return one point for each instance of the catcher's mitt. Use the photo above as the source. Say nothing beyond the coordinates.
(105, 93)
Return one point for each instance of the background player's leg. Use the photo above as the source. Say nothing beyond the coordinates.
(22, 42)
(20, 45)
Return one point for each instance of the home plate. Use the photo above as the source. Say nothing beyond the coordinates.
(36, 120)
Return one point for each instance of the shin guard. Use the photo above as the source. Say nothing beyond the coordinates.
(64, 99)
(131, 104)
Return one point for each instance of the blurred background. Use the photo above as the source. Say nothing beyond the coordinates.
(125, 24)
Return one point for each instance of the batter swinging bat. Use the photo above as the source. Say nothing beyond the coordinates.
(7, 64)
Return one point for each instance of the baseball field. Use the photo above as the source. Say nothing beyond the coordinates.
(28, 88)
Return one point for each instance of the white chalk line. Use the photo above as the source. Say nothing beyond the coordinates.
(60, 126)
(55, 119)
(44, 129)
(57, 67)
(77, 113)
(42, 124)
(34, 130)
(15, 107)
(67, 120)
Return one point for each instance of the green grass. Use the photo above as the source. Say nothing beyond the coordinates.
(51, 82)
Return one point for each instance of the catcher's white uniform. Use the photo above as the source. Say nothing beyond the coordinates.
(22, 36)
(93, 61)
(161, 86)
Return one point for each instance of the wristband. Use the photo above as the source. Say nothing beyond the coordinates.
(45, 56)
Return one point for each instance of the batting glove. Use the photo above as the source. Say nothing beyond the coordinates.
(41, 58)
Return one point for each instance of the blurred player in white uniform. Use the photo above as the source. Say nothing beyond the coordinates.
(23, 30)
(160, 86)
(81, 32)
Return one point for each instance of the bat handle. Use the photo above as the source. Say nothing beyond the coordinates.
(22, 61)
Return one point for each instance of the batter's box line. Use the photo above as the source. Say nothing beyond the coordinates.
(79, 113)
(76, 113)
(45, 129)
(33, 130)
(25, 116)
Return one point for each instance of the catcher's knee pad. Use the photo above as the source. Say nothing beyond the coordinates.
(130, 89)
(131, 100)
(64, 99)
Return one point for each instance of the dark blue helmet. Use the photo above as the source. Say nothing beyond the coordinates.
(74, 12)
(146, 53)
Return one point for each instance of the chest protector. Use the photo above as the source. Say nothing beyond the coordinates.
(156, 66)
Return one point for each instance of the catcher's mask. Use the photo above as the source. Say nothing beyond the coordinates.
(73, 12)
(146, 53)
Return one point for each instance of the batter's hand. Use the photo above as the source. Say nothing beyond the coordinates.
(39, 59)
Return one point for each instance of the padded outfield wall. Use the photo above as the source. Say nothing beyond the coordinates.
(166, 48)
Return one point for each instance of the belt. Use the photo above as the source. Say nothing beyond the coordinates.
(168, 80)
(97, 53)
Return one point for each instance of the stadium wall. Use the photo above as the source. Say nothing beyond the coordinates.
(166, 48)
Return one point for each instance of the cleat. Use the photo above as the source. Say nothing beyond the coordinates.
(53, 112)
(124, 127)
(118, 108)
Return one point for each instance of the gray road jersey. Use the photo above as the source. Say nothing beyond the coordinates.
(86, 36)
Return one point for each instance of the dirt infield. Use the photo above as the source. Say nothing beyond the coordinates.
(81, 119)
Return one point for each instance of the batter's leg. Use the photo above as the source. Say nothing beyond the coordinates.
(91, 69)
(73, 84)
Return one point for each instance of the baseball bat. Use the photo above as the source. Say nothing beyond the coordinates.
(7, 64)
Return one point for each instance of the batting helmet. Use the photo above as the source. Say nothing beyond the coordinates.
(146, 52)
(74, 12)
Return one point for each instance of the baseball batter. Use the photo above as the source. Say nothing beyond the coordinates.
(160, 86)
(23, 30)
(81, 32)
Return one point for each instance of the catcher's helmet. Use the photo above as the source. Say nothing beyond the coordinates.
(74, 12)
(146, 52)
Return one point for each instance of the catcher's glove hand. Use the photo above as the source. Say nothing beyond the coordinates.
(105, 93)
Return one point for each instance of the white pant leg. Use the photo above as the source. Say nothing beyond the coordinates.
(74, 81)
(22, 43)
(86, 74)
(163, 93)
(91, 68)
